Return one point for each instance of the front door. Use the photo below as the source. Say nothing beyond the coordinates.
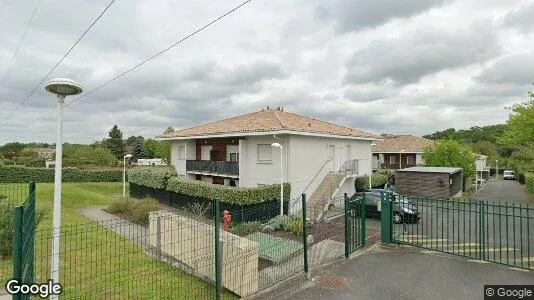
(332, 156)
(205, 152)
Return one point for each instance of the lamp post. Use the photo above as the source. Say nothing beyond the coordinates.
(277, 145)
(124, 174)
(371, 174)
(62, 87)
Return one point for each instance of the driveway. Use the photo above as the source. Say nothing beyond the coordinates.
(503, 190)
(406, 273)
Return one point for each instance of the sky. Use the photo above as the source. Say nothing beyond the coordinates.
(399, 67)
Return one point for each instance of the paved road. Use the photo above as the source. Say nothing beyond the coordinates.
(504, 191)
(407, 274)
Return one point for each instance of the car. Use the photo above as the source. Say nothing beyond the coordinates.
(404, 210)
(507, 174)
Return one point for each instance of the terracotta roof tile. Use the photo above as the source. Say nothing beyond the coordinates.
(396, 143)
(269, 120)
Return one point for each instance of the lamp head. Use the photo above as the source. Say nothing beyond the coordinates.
(128, 156)
(277, 145)
(63, 86)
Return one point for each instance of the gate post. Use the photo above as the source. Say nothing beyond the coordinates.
(362, 221)
(218, 256)
(385, 219)
(347, 235)
(305, 234)
(17, 247)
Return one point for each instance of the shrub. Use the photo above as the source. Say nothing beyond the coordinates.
(154, 177)
(14, 174)
(7, 230)
(295, 226)
(529, 182)
(277, 223)
(227, 194)
(246, 228)
(136, 210)
(377, 180)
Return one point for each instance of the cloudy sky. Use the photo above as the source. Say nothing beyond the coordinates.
(384, 66)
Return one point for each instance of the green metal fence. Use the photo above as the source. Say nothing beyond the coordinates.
(496, 232)
(11, 195)
(23, 241)
(354, 223)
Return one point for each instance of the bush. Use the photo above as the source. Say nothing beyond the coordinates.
(277, 223)
(227, 194)
(295, 226)
(15, 174)
(529, 182)
(246, 228)
(136, 211)
(154, 177)
(377, 180)
(7, 230)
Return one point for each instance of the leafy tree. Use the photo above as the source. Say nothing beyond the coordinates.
(521, 124)
(450, 153)
(14, 149)
(114, 143)
(168, 130)
(154, 149)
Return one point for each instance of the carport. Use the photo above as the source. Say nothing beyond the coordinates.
(435, 182)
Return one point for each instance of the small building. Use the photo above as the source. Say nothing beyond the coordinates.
(435, 182)
(150, 162)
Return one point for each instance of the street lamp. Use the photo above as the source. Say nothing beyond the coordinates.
(124, 174)
(277, 145)
(371, 175)
(62, 87)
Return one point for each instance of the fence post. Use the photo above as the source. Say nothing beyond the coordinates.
(158, 236)
(17, 247)
(481, 230)
(385, 219)
(305, 234)
(218, 263)
(31, 188)
(362, 220)
(347, 235)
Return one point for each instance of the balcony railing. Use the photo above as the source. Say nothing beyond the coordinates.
(213, 167)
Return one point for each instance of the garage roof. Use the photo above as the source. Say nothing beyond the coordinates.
(432, 170)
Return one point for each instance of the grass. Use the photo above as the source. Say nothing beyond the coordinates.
(96, 262)
(137, 211)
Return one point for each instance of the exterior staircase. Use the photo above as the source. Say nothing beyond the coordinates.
(323, 194)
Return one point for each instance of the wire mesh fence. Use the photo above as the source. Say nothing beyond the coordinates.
(492, 231)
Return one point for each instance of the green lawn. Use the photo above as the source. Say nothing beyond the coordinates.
(97, 263)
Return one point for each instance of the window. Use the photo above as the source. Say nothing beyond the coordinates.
(409, 160)
(181, 152)
(234, 157)
(265, 153)
(232, 182)
(392, 160)
(198, 177)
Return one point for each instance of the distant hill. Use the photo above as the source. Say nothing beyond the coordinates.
(472, 135)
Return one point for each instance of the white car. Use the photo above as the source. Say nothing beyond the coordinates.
(508, 175)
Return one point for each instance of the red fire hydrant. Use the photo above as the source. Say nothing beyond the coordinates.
(227, 219)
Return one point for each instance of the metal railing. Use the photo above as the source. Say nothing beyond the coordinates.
(350, 167)
(491, 231)
(212, 167)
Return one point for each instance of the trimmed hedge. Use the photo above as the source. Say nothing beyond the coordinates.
(529, 182)
(21, 174)
(154, 177)
(377, 180)
(227, 194)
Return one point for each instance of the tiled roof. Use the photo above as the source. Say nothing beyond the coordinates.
(270, 119)
(396, 143)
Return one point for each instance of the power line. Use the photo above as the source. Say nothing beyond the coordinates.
(148, 59)
(21, 40)
(59, 62)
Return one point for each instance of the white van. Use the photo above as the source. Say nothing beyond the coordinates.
(508, 175)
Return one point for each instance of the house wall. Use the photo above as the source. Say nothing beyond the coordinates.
(219, 145)
(190, 153)
(403, 157)
(422, 184)
(457, 182)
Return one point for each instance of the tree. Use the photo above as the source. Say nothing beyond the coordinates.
(114, 143)
(450, 153)
(14, 149)
(521, 124)
(136, 143)
(168, 130)
(154, 149)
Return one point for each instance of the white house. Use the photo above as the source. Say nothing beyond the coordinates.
(319, 159)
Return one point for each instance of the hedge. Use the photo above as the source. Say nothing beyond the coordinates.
(227, 194)
(377, 180)
(529, 181)
(17, 174)
(154, 177)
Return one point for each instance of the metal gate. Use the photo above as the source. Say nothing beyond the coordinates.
(492, 231)
(354, 223)
(23, 243)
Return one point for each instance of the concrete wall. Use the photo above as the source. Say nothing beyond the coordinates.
(191, 242)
